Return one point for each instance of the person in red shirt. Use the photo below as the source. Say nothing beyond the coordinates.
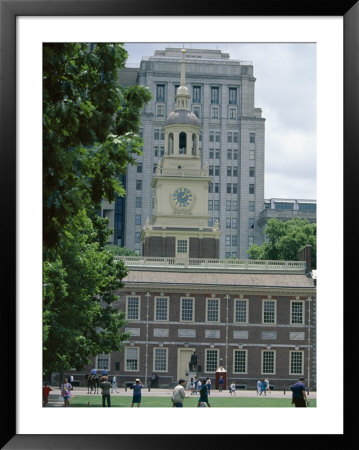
(45, 394)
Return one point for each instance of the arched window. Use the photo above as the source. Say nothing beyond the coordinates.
(182, 143)
(194, 145)
(170, 144)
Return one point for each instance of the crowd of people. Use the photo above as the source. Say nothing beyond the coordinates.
(197, 387)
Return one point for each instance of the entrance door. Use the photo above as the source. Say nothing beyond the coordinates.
(184, 357)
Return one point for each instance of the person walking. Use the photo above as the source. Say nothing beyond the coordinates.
(264, 388)
(136, 398)
(106, 396)
(259, 387)
(114, 384)
(45, 394)
(195, 385)
(203, 395)
(179, 394)
(66, 389)
(267, 385)
(232, 388)
(299, 396)
(220, 384)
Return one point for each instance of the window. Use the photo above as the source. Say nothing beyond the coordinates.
(228, 239)
(137, 237)
(187, 309)
(156, 134)
(229, 137)
(138, 185)
(182, 246)
(252, 138)
(210, 188)
(229, 171)
(250, 240)
(235, 171)
(269, 311)
(234, 240)
(155, 151)
(229, 188)
(211, 153)
(297, 312)
(229, 154)
(214, 94)
(232, 96)
(210, 222)
(251, 155)
(210, 205)
(251, 171)
(251, 223)
(211, 136)
(235, 154)
(216, 205)
(131, 359)
(268, 362)
(161, 308)
(307, 206)
(196, 98)
(160, 111)
(296, 363)
(212, 310)
(215, 113)
(251, 188)
(228, 254)
(139, 167)
(251, 206)
(234, 205)
(216, 171)
(240, 361)
(138, 202)
(211, 360)
(232, 113)
(160, 359)
(228, 205)
(133, 308)
(218, 136)
(234, 223)
(235, 137)
(216, 188)
(138, 219)
(197, 111)
(284, 205)
(234, 254)
(210, 171)
(240, 311)
(235, 188)
(160, 93)
(228, 222)
(217, 154)
(103, 361)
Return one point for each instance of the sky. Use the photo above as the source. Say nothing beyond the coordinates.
(285, 90)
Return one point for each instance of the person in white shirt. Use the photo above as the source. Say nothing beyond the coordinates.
(114, 384)
(267, 387)
(179, 394)
(232, 389)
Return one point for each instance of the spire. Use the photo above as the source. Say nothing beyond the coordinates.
(182, 96)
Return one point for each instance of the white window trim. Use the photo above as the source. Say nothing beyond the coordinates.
(193, 310)
(275, 311)
(154, 359)
(155, 307)
(234, 309)
(274, 363)
(290, 359)
(138, 359)
(219, 310)
(108, 357)
(139, 307)
(205, 359)
(246, 360)
(182, 255)
(303, 312)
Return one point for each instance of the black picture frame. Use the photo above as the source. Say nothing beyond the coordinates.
(9, 10)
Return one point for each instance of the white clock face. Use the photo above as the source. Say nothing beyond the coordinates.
(182, 197)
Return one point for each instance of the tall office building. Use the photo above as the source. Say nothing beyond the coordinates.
(231, 142)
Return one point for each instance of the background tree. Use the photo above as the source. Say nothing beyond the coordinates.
(285, 239)
(90, 135)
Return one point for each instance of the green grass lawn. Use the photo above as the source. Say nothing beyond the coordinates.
(165, 402)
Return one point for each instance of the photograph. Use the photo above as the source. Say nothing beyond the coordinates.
(175, 187)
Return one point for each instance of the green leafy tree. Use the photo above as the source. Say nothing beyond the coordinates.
(120, 251)
(90, 135)
(285, 239)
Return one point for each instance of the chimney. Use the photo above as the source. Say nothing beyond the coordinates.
(305, 254)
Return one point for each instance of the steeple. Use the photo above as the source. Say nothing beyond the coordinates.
(182, 96)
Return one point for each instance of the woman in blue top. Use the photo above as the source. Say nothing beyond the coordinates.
(136, 398)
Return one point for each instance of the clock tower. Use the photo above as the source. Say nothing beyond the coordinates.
(180, 223)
